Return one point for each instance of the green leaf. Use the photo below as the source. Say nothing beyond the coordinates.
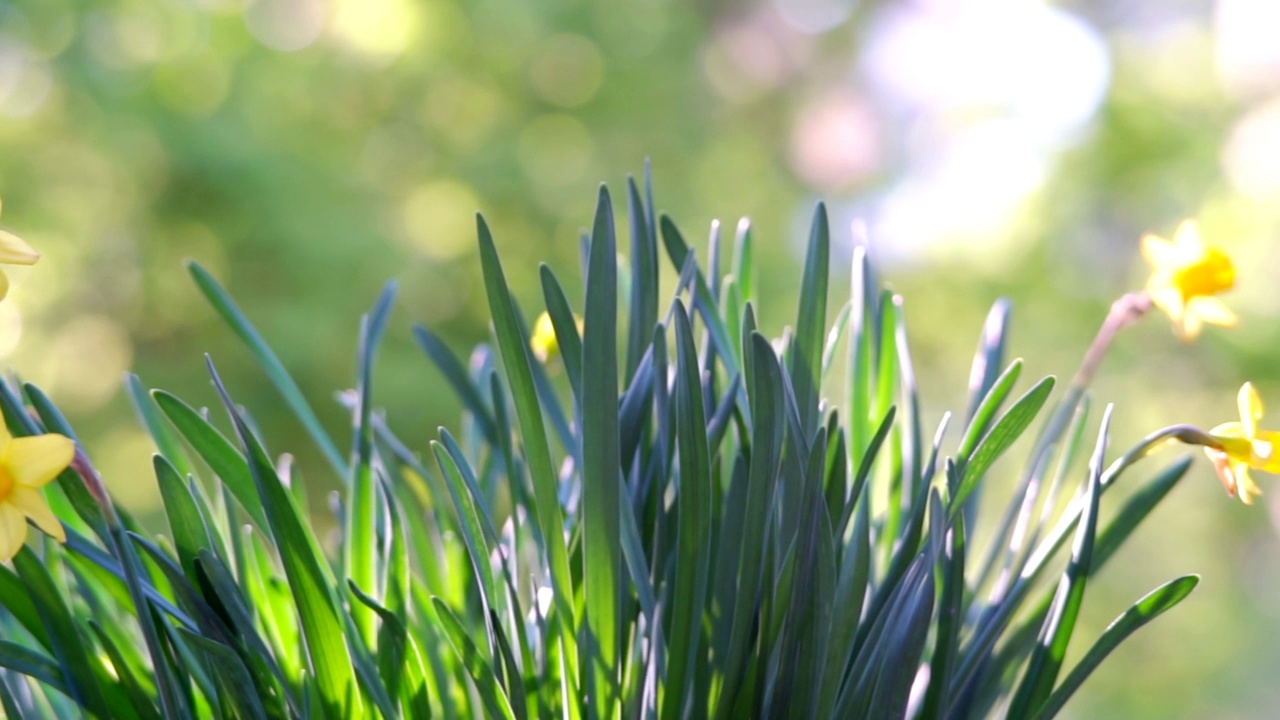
(988, 359)
(513, 347)
(602, 571)
(478, 666)
(1150, 607)
(360, 554)
(950, 619)
(704, 302)
(643, 315)
(237, 685)
(1051, 649)
(1006, 431)
(140, 700)
(35, 665)
(159, 431)
(984, 412)
(566, 328)
(310, 581)
(692, 562)
(806, 349)
(216, 450)
(455, 373)
(186, 526)
(267, 360)
(69, 648)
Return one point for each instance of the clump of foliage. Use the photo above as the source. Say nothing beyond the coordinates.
(664, 516)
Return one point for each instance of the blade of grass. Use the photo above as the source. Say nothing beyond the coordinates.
(267, 360)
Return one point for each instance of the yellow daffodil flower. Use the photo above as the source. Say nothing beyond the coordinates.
(1186, 275)
(1244, 446)
(14, 251)
(543, 342)
(26, 465)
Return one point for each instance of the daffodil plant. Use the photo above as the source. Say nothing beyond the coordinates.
(687, 522)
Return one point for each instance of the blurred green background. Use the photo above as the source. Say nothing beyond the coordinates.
(306, 151)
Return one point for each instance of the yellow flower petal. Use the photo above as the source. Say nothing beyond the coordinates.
(1186, 239)
(1212, 310)
(1250, 406)
(13, 531)
(1157, 251)
(15, 251)
(543, 342)
(4, 285)
(34, 461)
(32, 504)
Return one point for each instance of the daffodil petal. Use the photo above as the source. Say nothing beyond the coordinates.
(1250, 406)
(1167, 298)
(1189, 328)
(1245, 486)
(1213, 311)
(33, 505)
(4, 285)
(15, 251)
(13, 531)
(1186, 239)
(1158, 252)
(34, 461)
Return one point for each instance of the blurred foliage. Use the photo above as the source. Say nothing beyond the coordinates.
(307, 150)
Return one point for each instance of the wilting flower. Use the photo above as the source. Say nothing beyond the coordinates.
(1244, 446)
(543, 342)
(26, 465)
(14, 251)
(1186, 275)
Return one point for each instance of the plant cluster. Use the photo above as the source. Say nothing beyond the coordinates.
(650, 509)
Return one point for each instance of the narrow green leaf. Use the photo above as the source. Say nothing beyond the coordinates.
(602, 570)
(984, 412)
(237, 685)
(694, 521)
(33, 664)
(139, 698)
(69, 648)
(1051, 649)
(806, 350)
(765, 393)
(988, 359)
(566, 328)
(1150, 607)
(1006, 431)
(267, 360)
(360, 554)
(643, 307)
(455, 373)
(214, 449)
(310, 581)
(514, 349)
(479, 667)
(186, 527)
(704, 302)
(159, 431)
